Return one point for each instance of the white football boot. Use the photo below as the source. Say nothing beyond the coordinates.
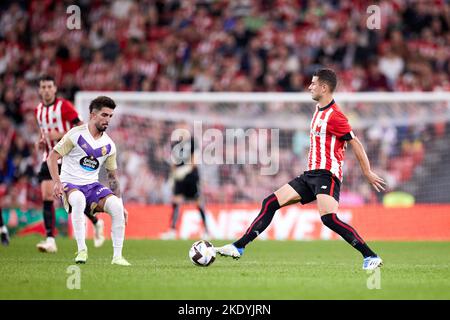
(230, 250)
(121, 261)
(81, 257)
(48, 245)
(371, 263)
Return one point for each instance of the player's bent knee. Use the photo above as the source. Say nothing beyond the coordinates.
(77, 200)
(177, 199)
(47, 190)
(114, 206)
(326, 204)
(270, 202)
(327, 220)
(287, 195)
(47, 196)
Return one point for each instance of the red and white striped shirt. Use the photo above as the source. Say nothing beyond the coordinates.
(329, 132)
(59, 116)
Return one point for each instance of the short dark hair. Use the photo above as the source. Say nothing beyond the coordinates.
(100, 102)
(328, 77)
(46, 77)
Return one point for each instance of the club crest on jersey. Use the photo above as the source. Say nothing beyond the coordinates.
(89, 163)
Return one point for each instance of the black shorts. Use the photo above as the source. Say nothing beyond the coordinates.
(44, 173)
(314, 182)
(189, 186)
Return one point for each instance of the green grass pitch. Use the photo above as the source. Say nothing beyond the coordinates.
(268, 270)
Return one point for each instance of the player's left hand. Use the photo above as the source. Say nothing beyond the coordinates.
(41, 144)
(125, 214)
(58, 190)
(376, 181)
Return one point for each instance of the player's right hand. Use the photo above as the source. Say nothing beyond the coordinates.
(54, 135)
(376, 181)
(58, 190)
(41, 144)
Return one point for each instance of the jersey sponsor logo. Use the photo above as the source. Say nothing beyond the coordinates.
(323, 187)
(89, 163)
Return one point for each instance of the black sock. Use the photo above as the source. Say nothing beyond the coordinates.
(49, 218)
(347, 233)
(91, 217)
(1, 218)
(175, 211)
(262, 221)
(202, 214)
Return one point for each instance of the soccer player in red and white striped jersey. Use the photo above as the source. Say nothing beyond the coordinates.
(55, 116)
(329, 134)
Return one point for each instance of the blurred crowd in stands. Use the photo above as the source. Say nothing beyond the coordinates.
(206, 45)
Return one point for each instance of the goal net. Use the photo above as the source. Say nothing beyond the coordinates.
(249, 144)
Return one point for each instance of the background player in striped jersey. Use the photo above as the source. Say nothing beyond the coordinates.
(55, 116)
(329, 134)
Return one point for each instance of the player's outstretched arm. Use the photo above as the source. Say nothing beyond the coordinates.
(377, 182)
(52, 163)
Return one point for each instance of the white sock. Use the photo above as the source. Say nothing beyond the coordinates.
(114, 207)
(3, 229)
(78, 202)
(51, 239)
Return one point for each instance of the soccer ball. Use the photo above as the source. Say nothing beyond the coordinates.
(202, 253)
